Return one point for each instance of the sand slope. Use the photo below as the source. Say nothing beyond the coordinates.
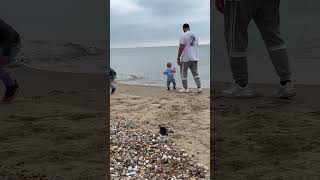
(186, 114)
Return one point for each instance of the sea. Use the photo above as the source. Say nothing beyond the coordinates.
(139, 66)
(145, 65)
(75, 57)
(299, 28)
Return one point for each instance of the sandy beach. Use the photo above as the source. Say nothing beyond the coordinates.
(187, 115)
(55, 128)
(47, 131)
(266, 138)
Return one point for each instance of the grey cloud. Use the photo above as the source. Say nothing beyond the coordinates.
(160, 20)
(171, 8)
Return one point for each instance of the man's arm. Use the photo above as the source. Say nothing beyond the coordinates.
(181, 48)
(220, 5)
(4, 60)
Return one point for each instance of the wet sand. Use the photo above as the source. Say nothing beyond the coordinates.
(55, 128)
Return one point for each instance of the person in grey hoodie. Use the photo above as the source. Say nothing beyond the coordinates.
(9, 48)
(265, 13)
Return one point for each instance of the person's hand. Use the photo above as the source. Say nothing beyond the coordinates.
(220, 5)
(4, 60)
(178, 62)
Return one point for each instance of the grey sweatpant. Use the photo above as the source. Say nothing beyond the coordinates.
(265, 13)
(193, 66)
(112, 85)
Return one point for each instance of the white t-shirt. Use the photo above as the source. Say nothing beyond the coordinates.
(191, 50)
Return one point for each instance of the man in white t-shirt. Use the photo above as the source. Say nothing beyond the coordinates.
(188, 57)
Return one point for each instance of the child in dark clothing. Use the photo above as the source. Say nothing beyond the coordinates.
(9, 48)
(113, 76)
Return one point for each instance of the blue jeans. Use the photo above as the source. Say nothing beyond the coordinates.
(4, 76)
(169, 81)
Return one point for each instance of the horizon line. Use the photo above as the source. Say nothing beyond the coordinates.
(152, 46)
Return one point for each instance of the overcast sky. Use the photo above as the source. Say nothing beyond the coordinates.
(136, 23)
(59, 20)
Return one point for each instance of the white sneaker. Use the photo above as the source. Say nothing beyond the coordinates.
(236, 91)
(285, 91)
(183, 90)
(199, 90)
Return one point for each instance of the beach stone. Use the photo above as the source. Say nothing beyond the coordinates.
(139, 154)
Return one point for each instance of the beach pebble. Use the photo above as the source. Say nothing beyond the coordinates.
(139, 154)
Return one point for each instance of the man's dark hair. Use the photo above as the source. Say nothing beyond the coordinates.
(186, 26)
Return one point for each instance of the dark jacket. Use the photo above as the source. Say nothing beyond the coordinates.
(113, 74)
(8, 37)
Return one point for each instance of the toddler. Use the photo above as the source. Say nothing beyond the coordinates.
(170, 76)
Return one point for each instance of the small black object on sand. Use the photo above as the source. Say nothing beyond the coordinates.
(164, 131)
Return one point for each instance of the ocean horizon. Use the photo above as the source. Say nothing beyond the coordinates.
(145, 65)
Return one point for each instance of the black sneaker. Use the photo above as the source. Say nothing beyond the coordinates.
(168, 89)
(11, 92)
(113, 90)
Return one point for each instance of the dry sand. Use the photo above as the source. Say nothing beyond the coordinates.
(47, 131)
(266, 138)
(55, 127)
(187, 115)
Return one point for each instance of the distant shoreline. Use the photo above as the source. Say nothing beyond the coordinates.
(151, 46)
(219, 84)
(153, 85)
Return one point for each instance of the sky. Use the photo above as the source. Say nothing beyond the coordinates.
(145, 23)
(57, 20)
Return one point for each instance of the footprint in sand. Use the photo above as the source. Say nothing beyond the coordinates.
(315, 114)
(64, 92)
(135, 98)
(24, 118)
(56, 92)
(77, 117)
